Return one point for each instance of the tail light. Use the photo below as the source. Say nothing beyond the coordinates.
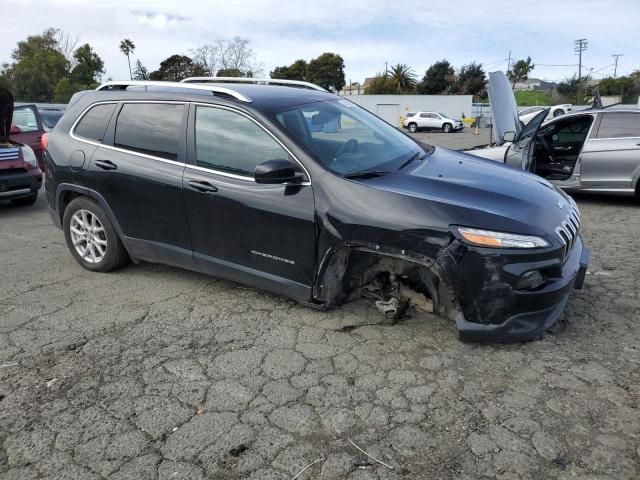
(44, 140)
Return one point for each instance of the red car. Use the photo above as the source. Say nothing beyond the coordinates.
(27, 128)
(20, 177)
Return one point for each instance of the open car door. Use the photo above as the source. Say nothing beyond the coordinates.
(520, 152)
(504, 111)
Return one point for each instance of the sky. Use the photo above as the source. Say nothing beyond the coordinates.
(367, 33)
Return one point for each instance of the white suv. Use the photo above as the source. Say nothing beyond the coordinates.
(431, 120)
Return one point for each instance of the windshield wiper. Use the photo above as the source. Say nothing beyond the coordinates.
(365, 174)
(417, 155)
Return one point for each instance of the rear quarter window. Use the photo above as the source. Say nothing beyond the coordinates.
(619, 125)
(93, 124)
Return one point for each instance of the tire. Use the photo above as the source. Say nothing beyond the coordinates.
(25, 201)
(558, 112)
(103, 251)
(447, 128)
(413, 127)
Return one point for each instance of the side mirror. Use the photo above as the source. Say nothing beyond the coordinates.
(509, 136)
(14, 129)
(277, 171)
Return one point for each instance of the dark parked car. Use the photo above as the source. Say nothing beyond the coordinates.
(20, 177)
(230, 180)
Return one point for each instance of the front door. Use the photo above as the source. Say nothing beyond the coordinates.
(259, 234)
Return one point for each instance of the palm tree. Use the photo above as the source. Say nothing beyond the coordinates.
(127, 47)
(403, 78)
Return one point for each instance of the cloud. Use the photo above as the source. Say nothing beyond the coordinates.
(159, 20)
(367, 33)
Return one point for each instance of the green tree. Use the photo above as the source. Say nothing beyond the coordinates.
(89, 67)
(64, 91)
(520, 71)
(471, 80)
(127, 47)
(174, 68)
(381, 85)
(438, 79)
(37, 67)
(627, 87)
(296, 71)
(230, 72)
(403, 78)
(327, 71)
(140, 72)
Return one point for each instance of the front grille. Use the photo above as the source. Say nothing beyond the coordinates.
(569, 229)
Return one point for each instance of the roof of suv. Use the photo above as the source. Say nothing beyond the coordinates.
(262, 97)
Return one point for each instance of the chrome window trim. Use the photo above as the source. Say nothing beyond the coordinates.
(242, 177)
(118, 149)
(615, 138)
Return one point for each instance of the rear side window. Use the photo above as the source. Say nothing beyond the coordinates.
(619, 125)
(232, 143)
(93, 124)
(150, 128)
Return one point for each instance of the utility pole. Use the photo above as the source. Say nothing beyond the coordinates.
(580, 46)
(615, 69)
(509, 62)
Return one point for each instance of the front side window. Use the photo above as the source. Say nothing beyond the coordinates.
(346, 138)
(232, 143)
(25, 119)
(150, 128)
(619, 125)
(93, 124)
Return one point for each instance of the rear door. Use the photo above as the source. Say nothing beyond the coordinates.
(611, 157)
(138, 171)
(255, 233)
(28, 129)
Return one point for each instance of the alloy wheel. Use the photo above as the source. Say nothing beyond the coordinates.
(88, 236)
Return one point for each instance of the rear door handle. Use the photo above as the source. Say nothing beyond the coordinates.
(106, 165)
(203, 187)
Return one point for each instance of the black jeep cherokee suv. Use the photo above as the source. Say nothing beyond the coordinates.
(304, 193)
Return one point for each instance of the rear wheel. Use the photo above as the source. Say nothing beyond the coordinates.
(413, 128)
(447, 128)
(558, 112)
(91, 238)
(25, 201)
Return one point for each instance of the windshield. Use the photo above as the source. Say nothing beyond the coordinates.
(346, 138)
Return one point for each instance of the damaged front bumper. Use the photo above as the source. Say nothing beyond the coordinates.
(527, 313)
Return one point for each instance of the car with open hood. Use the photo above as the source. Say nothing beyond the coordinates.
(284, 186)
(595, 150)
(20, 177)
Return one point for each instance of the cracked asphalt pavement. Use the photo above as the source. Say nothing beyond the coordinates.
(151, 372)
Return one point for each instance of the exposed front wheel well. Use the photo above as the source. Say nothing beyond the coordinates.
(352, 272)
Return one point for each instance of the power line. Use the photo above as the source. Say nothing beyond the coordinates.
(615, 69)
(580, 46)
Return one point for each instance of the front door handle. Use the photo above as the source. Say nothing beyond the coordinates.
(203, 187)
(106, 165)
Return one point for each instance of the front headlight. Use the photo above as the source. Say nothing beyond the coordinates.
(487, 238)
(29, 156)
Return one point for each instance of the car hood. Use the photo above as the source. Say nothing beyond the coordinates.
(6, 113)
(510, 198)
(504, 111)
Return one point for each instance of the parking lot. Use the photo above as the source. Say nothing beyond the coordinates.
(154, 372)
